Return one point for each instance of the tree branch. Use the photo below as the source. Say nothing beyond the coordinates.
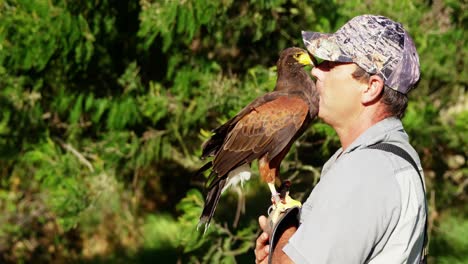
(76, 153)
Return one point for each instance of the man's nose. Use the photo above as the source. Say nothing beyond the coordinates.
(316, 72)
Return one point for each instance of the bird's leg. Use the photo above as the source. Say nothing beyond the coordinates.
(275, 196)
(290, 202)
(269, 175)
(286, 200)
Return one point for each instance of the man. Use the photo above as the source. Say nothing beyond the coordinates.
(369, 206)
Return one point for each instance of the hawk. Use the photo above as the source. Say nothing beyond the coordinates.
(264, 130)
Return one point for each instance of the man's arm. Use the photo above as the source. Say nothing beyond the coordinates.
(262, 248)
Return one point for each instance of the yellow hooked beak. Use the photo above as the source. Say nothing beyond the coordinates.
(304, 59)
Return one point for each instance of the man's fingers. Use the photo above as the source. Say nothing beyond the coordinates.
(261, 254)
(262, 220)
(262, 248)
(262, 239)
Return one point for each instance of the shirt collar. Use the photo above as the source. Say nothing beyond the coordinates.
(376, 133)
(379, 132)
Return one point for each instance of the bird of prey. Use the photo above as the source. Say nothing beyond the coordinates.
(264, 130)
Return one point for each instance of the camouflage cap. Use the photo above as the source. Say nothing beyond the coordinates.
(375, 43)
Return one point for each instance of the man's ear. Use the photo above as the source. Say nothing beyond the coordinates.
(373, 91)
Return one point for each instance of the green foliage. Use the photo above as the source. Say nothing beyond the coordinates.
(451, 237)
(218, 244)
(65, 192)
(27, 24)
(104, 107)
(172, 19)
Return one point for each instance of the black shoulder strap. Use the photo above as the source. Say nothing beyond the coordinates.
(404, 155)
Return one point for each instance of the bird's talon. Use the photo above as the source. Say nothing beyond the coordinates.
(290, 202)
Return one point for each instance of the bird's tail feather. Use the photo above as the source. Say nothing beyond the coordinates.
(212, 199)
(204, 168)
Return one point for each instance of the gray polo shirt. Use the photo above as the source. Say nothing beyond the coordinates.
(368, 206)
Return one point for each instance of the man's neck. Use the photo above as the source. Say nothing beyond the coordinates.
(351, 130)
(348, 135)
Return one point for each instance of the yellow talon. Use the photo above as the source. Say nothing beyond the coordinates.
(290, 202)
(278, 208)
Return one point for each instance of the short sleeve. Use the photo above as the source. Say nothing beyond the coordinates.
(354, 206)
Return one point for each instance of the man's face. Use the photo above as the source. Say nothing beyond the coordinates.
(340, 93)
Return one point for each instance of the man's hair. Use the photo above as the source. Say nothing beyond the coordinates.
(395, 102)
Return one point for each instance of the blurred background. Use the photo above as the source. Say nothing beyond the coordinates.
(104, 106)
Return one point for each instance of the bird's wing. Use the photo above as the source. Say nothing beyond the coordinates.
(213, 145)
(266, 129)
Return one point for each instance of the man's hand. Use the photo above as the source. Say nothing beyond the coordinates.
(261, 247)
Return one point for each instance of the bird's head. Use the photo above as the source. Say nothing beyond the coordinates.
(294, 58)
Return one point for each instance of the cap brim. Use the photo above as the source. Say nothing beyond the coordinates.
(324, 46)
